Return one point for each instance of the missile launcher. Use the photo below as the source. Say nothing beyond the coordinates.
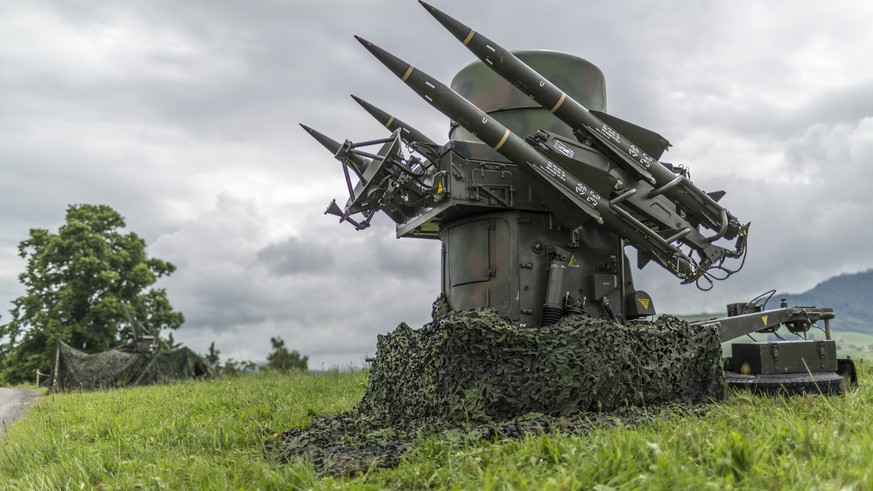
(539, 191)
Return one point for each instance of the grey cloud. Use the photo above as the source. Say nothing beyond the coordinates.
(293, 256)
(838, 154)
(339, 307)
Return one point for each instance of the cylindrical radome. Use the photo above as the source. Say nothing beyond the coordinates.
(516, 110)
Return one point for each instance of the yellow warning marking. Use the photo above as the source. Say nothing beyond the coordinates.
(469, 37)
(439, 187)
(764, 318)
(645, 302)
(390, 120)
(573, 263)
(558, 104)
(502, 140)
(408, 73)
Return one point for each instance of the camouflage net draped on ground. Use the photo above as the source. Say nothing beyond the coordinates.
(77, 370)
(475, 371)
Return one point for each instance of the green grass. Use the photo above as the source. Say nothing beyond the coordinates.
(747, 443)
(194, 435)
(209, 435)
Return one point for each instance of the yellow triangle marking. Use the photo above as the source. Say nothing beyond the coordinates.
(439, 187)
(764, 318)
(573, 263)
(644, 302)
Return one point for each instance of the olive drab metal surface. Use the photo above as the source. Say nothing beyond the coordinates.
(518, 111)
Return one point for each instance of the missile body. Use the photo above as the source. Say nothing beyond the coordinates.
(626, 153)
(550, 176)
(409, 134)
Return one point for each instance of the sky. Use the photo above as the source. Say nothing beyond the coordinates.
(183, 117)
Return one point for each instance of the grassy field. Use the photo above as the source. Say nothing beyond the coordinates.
(210, 434)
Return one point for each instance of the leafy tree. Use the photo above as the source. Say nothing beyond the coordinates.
(233, 368)
(76, 283)
(280, 359)
(212, 356)
(230, 367)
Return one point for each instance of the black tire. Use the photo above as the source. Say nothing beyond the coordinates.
(826, 383)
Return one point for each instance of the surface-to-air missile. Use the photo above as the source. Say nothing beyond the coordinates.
(538, 192)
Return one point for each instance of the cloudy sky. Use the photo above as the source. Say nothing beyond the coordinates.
(183, 116)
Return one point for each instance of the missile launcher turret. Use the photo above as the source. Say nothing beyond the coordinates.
(539, 191)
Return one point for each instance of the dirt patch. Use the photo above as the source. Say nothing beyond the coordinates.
(14, 403)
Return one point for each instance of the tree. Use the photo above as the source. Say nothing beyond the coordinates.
(280, 359)
(212, 356)
(76, 282)
(234, 368)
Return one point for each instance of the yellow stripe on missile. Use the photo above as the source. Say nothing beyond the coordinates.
(502, 140)
(469, 37)
(558, 104)
(408, 73)
(388, 123)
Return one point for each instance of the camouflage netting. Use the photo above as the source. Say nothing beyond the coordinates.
(473, 370)
(77, 370)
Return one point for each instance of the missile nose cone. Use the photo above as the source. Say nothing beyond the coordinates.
(375, 111)
(362, 40)
(323, 139)
(460, 31)
(395, 64)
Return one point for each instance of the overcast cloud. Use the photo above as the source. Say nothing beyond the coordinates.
(183, 117)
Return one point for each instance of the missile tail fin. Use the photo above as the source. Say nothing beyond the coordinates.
(651, 142)
(716, 195)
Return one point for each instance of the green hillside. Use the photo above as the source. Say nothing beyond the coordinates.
(848, 294)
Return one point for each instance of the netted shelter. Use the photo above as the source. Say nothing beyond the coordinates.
(77, 370)
(474, 371)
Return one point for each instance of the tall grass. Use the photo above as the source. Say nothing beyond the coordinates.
(750, 442)
(196, 435)
(210, 435)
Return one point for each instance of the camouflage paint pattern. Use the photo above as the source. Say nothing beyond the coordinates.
(522, 115)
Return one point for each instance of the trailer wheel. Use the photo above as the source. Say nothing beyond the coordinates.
(826, 383)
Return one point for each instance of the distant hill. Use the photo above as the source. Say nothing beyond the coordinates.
(850, 295)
